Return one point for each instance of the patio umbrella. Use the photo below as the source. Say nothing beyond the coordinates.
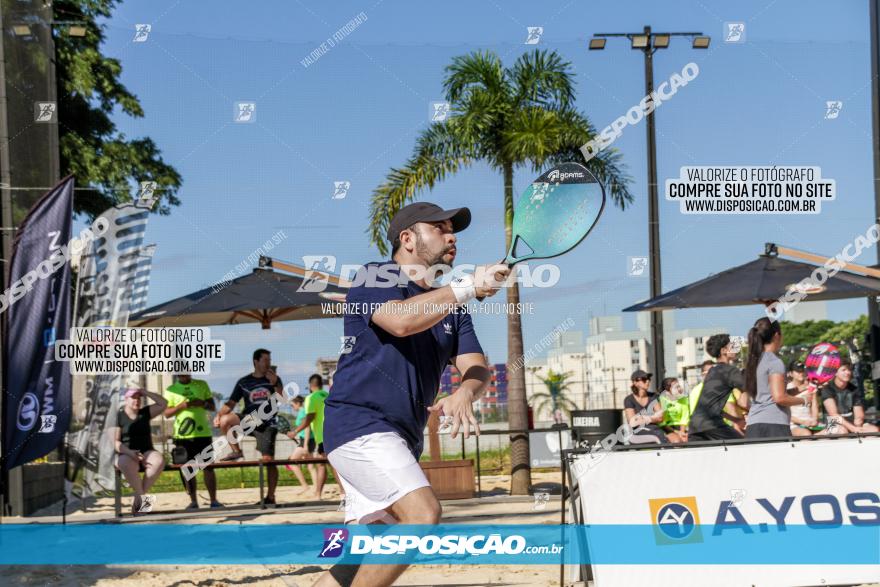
(263, 296)
(761, 281)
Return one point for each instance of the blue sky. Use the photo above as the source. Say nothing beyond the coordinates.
(357, 111)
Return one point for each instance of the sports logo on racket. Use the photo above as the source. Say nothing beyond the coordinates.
(676, 520)
(557, 175)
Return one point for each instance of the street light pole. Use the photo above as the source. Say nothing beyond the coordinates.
(653, 215)
(648, 42)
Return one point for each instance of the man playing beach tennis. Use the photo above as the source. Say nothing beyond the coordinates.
(400, 334)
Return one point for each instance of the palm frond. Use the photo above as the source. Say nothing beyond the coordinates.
(439, 152)
(477, 70)
(543, 79)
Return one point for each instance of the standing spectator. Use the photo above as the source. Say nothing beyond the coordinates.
(674, 404)
(134, 444)
(844, 404)
(769, 416)
(707, 419)
(642, 410)
(300, 439)
(314, 421)
(694, 395)
(189, 401)
(804, 419)
(256, 389)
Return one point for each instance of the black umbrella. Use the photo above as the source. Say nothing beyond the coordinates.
(762, 281)
(263, 296)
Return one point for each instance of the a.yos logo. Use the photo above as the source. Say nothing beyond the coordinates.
(334, 541)
(675, 519)
(28, 409)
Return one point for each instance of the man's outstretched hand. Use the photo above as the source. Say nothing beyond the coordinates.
(459, 405)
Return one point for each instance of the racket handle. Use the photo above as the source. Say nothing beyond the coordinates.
(501, 262)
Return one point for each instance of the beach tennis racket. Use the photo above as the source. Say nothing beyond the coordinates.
(555, 213)
(821, 364)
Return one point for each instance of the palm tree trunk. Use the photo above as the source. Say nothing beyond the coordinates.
(517, 403)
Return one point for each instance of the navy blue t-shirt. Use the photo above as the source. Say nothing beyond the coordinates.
(386, 383)
(255, 391)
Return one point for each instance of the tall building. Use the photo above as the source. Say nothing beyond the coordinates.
(493, 404)
(690, 351)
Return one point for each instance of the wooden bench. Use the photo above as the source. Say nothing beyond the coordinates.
(224, 465)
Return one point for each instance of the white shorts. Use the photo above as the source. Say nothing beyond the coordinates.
(375, 470)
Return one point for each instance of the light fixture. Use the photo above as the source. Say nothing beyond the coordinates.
(21, 30)
(76, 31)
(639, 41)
(597, 43)
(701, 42)
(661, 41)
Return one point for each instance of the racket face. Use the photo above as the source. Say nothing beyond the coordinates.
(555, 213)
(822, 363)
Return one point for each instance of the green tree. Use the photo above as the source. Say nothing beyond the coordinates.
(554, 398)
(508, 118)
(808, 332)
(89, 91)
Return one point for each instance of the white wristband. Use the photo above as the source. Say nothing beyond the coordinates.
(463, 288)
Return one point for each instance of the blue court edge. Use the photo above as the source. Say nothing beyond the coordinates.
(200, 544)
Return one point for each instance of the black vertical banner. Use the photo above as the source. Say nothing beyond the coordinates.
(37, 306)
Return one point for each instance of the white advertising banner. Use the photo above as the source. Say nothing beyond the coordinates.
(758, 498)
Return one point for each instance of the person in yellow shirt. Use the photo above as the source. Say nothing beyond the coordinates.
(189, 401)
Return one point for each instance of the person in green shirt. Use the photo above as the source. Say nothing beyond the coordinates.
(676, 412)
(314, 424)
(189, 401)
(300, 451)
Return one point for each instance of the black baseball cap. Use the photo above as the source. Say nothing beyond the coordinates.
(427, 212)
(796, 365)
(639, 374)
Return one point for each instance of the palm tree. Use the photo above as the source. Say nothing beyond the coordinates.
(508, 118)
(554, 398)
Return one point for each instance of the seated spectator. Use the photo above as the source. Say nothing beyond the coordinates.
(642, 410)
(134, 445)
(804, 419)
(844, 404)
(674, 404)
(708, 416)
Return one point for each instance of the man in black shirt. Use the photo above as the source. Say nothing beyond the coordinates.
(844, 404)
(255, 389)
(707, 421)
